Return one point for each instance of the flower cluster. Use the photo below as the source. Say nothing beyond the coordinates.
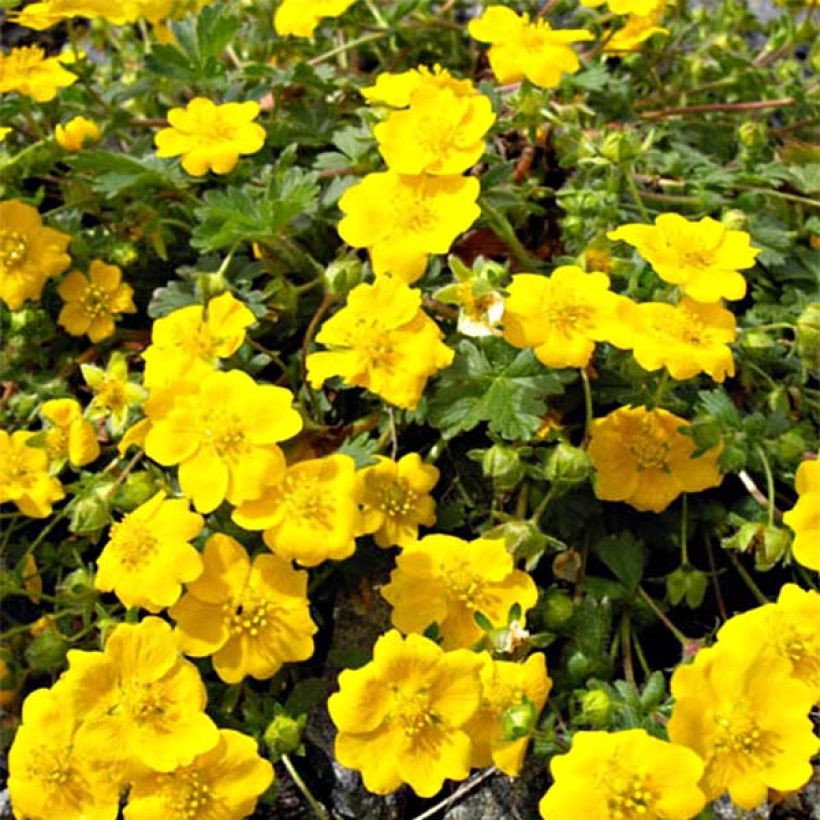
(29, 72)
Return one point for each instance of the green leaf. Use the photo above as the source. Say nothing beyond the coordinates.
(114, 173)
(491, 381)
(624, 556)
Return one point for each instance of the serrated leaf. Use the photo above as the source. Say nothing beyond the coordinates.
(624, 556)
(717, 403)
(115, 173)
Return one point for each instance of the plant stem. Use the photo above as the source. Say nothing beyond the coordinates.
(769, 483)
(747, 579)
(317, 807)
(684, 549)
(587, 402)
(629, 178)
(757, 105)
(359, 41)
(626, 649)
(501, 225)
(662, 616)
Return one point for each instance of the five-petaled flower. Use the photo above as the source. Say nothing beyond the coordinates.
(24, 476)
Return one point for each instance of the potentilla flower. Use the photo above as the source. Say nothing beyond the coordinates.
(250, 617)
(69, 436)
(787, 628)
(641, 457)
(560, 316)
(210, 136)
(397, 90)
(441, 132)
(40, 16)
(401, 717)
(638, 7)
(24, 476)
(30, 253)
(222, 783)
(402, 219)
(93, 302)
(395, 499)
(300, 19)
(804, 517)
(627, 775)
(444, 580)
(29, 72)
(114, 394)
(704, 258)
(224, 438)
(51, 771)
(523, 48)
(383, 341)
(506, 688)
(140, 700)
(747, 717)
(148, 555)
(77, 133)
(637, 29)
(688, 338)
(312, 514)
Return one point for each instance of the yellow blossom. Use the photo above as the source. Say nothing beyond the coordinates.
(94, 301)
(147, 556)
(444, 580)
(743, 712)
(395, 499)
(312, 514)
(211, 136)
(560, 316)
(141, 702)
(688, 338)
(440, 133)
(787, 628)
(402, 219)
(624, 775)
(704, 258)
(24, 478)
(638, 7)
(523, 48)
(223, 783)
(30, 253)
(401, 717)
(383, 341)
(251, 617)
(397, 90)
(804, 517)
(52, 774)
(641, 457)
(224, 438)
(43, 15)
(28, 71)
(505, 687)
(69, 436)
(114, 394)
(300, 19)
(77, 133)
(638, 29)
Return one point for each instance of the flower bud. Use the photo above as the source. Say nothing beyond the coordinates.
(342, 275)
(596, 707)
(136, 490)
(90, 513)
(808, 336)
(519, 720)
(568, 465)
(503, 465)
(78, 588)
(735, 219)
(47, 651)
(284, 735)
(555, 610)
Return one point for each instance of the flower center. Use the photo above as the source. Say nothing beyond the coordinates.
(57, 442)
(194, 796)
(630, 799)
(226, 434)
(648, 449)
(133, 543)
(95, 301)
(413, 711)
(13, 248)
(463, 586)
(142, 702)
(396, 499)
(247, 617)
(15, 474)
(111, 394)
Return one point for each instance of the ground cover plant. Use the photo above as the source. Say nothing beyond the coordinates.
(409, 408)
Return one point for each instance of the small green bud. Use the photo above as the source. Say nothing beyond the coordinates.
(342, 275)
(568, 465)
(519, 720)
(123, 253)
(808, 336)
(775, 543)
(90, 514)
(620, 147)
(47, 651)
(596, 707)
(78, 588)
(284, 735)
(735, 219)
(503, 465)
(580, 667)
(522, 538)
(136, 490)
(752, 135)
(555, 610)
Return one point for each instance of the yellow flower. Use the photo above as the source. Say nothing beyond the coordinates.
(211, 136)
(51, 772)
(401, 717)
(397, 90)
(114, 395)
(641, 457)
(787, 628)
(688, 338)
(24, 478)
(46, 14)
(623, 776)
(251, 618)
(69, 436)
(383, 341)
(505, 687)
(704, 257)
(30, 253)
(804, 517)
(641, 8)
(300, 19)
(560, 316)
(521, 48)
(147, 556)
(395, 499)
(444, 580)
(77, 133)
(402, 219)
(140, 700)
(441, 132)
(223, 783)
(312, 514)
(224, 438)
(4, 132)
(28, 71)
(638, 29)
(93, 302)
(741, 710)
